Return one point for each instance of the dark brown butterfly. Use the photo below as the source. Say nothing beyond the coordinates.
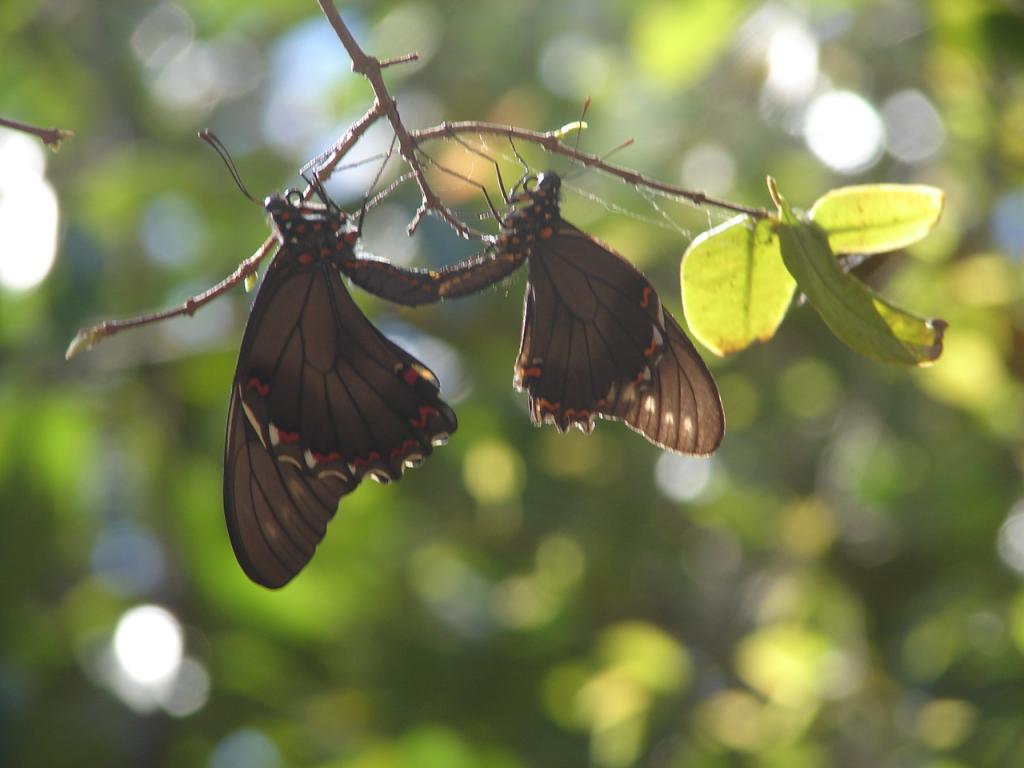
(320, 398)
(596, 340)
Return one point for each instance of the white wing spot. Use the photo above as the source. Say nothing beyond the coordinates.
(253, 421)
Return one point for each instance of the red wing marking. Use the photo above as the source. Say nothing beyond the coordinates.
(426, 412)
(326, 458)
(260, 388)
(533, 372)
(405, 446)
(359, 462)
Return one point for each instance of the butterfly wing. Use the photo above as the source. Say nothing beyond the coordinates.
(597, 342)
(320, 399)
(680, 410)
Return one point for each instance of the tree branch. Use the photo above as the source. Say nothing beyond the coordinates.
(384, 106)
(370, 68)
(86, 338)
(51, 137)
(551, 141)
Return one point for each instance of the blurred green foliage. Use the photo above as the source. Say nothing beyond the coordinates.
(839, 585)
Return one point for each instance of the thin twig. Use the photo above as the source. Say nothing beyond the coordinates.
(51, 137)
(323, 168)
(86, 338)
(551, 142)
(385, 63)
(370, 68)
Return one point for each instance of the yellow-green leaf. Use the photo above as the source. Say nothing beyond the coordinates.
(735, 287)
(877, 218)
(862, 319)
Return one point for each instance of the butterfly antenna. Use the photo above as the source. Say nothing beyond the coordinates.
(579, 130)
(527, 172)
(218, 146)
(519, 157)
(497, 172)
(376, 180)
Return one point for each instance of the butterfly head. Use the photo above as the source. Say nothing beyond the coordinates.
(549, 185)
(311, 230)
(535, 215)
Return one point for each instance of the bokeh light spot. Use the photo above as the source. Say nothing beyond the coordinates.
(792, 62)
(574, 66)
(913, 127)
(408, 27)
(190, 690)
(1008, 224)
(682, 478)
(173, 230)
(128, 558)
(739, 720)
(246, 748)
(970, 371)
(785, 663)
(560, 561)
(808, 528)
(519, 602)
(493, 471)
(455, 592)
(709, 167)
(945, 723)
(28, 214)
(164, 33)
(808, 388)
(1010, 543)
(148, 644)
(844, 131)
(305, 68)
(929, 649)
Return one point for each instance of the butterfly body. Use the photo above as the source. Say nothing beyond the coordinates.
(320, 399)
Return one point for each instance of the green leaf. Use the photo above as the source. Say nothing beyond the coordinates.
(877, 218)
(736, 290)
(861, 319)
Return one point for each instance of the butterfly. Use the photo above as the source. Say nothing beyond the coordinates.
(596, 340)
(320, 398)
